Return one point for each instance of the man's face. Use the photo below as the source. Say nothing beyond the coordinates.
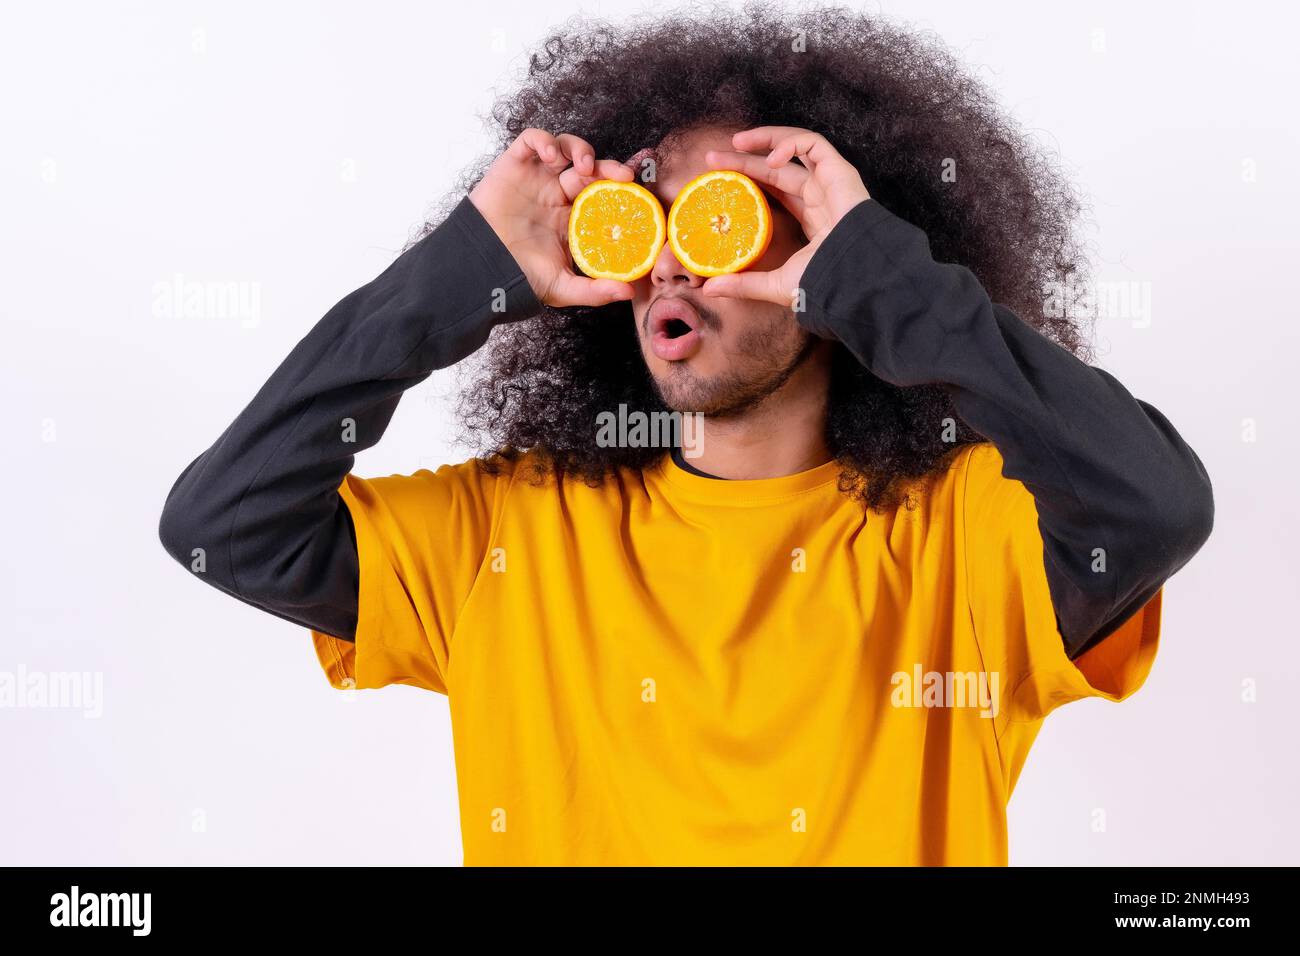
(738, 351)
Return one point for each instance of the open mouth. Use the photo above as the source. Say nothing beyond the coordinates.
(674, 328)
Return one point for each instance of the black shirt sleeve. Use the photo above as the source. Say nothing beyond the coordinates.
(1105, 469)
(258, 515)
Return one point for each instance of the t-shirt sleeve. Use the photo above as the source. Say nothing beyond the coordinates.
(421, 542)
(1012, 613)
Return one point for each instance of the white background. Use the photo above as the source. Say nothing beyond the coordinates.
(295, 146)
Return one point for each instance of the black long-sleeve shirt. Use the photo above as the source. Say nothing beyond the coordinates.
(1106, 470)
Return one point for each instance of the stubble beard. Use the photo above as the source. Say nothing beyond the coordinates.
(744, 387)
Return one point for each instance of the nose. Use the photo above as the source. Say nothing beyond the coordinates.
(668, 273)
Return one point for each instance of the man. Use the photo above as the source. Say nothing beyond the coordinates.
(916, 524)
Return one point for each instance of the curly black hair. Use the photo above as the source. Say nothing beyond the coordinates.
(895, 103)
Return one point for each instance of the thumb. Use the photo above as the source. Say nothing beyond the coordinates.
(759, 286)
(572, 289)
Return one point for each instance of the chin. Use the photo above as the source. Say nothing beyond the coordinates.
(684, 390)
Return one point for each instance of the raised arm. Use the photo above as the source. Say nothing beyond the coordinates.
(258, 515)
(1106, 471)
(1109, 474)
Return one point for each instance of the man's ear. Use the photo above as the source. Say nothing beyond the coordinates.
(637, 162)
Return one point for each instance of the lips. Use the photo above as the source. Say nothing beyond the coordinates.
(674, 328)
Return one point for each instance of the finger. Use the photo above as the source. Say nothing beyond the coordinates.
(758, 286)
(573, 289)
(795, 205)
(786, 142)
(578, 151)
(613, 169)
(790, 179)
(534, 143)
(762, 139)
(573, 182)
(812, 149)
(785, 184)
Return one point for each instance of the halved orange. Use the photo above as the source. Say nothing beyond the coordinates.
(720, 222)
(616, 230)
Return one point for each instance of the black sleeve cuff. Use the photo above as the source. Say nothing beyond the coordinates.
(822, 293)
(520, 301)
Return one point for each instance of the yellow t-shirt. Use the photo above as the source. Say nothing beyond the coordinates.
(673, 669)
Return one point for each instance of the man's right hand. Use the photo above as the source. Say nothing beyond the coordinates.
(526, 196)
